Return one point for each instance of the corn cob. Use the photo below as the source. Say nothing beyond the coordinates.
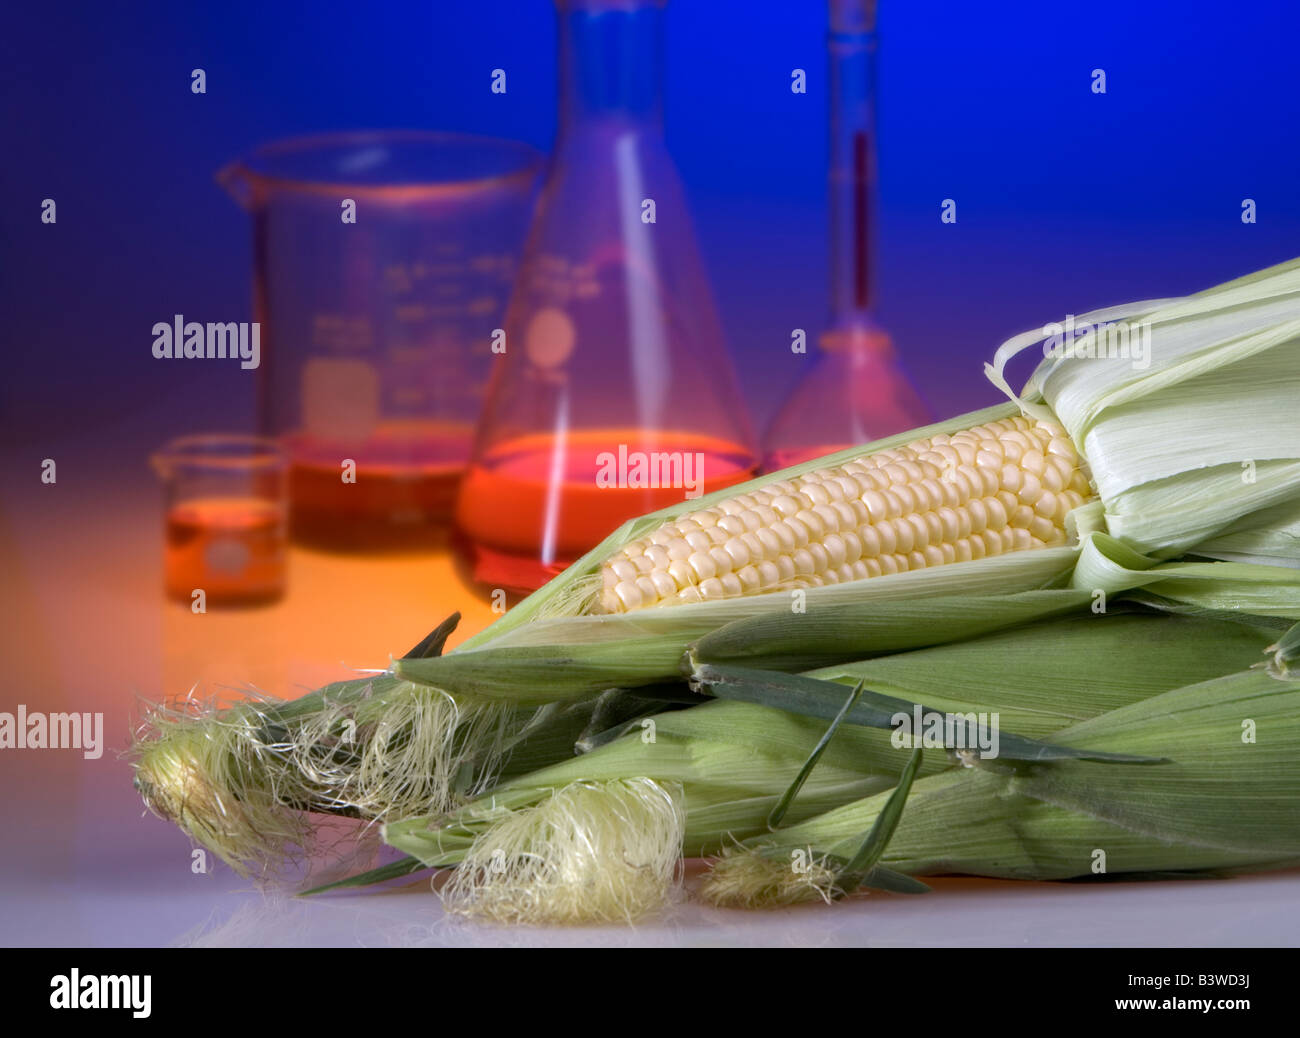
(1004, 486)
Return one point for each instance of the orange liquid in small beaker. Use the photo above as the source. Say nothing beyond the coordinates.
(232, 548)
(403, 494)
(533, 505)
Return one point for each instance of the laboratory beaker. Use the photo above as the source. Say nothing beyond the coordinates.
(615, 395)
(382, 265)
(225, 522)
(855, 390)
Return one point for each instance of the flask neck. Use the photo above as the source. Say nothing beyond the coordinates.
(611, 60)
(853, 157)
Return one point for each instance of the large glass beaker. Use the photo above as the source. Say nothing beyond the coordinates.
(382, 266)
(615, 395)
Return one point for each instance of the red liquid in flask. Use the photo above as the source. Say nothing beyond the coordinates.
(232, 548)
(533, 505)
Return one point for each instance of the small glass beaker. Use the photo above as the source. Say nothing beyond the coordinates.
(225, 520)
(382, 266)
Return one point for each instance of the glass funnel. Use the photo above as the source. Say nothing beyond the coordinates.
(615, 395)
(856, 390)
(383, 262)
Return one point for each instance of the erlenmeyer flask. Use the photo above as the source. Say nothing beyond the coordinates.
(614, 395)
(855, 390)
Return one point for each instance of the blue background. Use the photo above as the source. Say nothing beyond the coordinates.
(1066, 200)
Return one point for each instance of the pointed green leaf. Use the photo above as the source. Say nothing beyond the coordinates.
(783, 805)
(432, 643)
(394, 870)
(882, 830)
(813, 697)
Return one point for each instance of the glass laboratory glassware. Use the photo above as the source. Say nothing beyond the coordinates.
(382, 265)
(615, 395)
(855, 390)
(225, 521)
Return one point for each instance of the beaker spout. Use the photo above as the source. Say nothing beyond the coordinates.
(233, 178)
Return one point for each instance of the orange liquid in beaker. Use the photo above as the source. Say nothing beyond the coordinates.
(403, 495)
(534, 505)
(232, 548)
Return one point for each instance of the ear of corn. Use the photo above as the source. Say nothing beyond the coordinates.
(1004, 486)
(735, 760)
(1150, 465)
(565, 658)
(1162, 450)
(1161, 446)
(576, 592)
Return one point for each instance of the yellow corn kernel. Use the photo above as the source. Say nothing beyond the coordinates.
(1004, 486)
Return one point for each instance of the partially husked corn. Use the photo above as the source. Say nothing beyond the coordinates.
(1005, 486)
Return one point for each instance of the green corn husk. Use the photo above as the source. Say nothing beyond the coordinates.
(1223, 803)
(244, 780)
(440, 728)
(1200, 445)
(1166, 444)
(733, 761)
